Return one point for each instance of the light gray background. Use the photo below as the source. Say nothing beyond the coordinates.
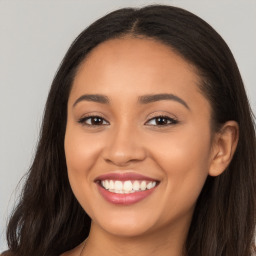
(34, 36)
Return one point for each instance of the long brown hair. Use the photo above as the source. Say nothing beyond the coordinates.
(49, 220)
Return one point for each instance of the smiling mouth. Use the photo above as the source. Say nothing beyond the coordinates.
(128, 186)
(125, 188)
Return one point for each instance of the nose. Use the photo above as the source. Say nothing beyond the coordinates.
(124, 146)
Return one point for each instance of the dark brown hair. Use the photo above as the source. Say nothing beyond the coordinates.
(49, 220)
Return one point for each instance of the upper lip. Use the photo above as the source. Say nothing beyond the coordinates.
(122, 176)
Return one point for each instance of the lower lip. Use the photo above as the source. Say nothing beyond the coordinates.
(124, 199)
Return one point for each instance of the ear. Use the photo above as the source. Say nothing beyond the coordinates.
(224, 146)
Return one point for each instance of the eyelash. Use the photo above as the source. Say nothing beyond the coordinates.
(83, 120)
(168, 121)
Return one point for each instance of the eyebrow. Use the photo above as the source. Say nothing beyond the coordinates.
(92, 97)
(145, 99)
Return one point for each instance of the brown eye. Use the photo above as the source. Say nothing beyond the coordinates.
(96, 120)
(93, 121)
(161, 121)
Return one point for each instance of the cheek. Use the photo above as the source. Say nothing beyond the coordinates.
(81, 149)
(81, 155)
(184, 159)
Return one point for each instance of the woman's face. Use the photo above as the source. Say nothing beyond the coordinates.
(138, 137)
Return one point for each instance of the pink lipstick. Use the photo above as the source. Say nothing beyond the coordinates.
(125, 188)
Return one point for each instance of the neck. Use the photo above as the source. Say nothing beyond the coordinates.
(169, 242)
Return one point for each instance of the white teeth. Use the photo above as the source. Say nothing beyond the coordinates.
(128, 186)
(118, 185)
(118, 191)
(111, 184)
(149, 185)
(136, 186)
(143, 185)
(106, 184)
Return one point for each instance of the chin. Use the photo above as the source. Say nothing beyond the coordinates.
(127, 226)
(125, 230)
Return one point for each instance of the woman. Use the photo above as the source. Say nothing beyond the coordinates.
(147, 145)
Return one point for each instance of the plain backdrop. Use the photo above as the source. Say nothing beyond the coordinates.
(34, 36)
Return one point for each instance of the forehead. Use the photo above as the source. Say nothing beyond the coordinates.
(141, 54)
(134, 67)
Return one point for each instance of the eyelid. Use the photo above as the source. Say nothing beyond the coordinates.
(173, 119)
(82, 120)
(162, 114)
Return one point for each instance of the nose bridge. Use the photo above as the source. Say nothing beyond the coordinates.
(124, 145)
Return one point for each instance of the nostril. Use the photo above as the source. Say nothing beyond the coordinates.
(123, 159)
(121, 162)
(123, 148)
